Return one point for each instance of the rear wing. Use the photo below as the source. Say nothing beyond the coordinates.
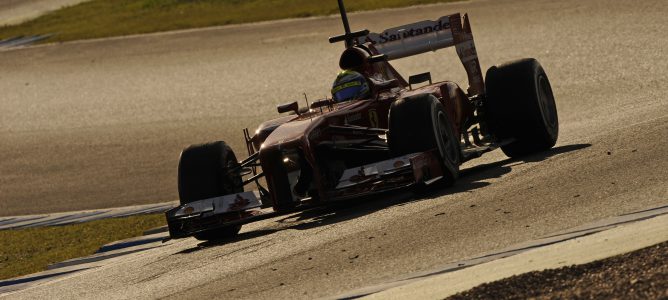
(425, 36)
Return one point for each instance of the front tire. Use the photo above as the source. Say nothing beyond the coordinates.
(520, 106)
(419, 123)
(206, 171)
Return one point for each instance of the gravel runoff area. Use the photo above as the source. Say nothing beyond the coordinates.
(642, 274)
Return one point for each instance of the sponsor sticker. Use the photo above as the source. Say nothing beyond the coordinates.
(409, 31)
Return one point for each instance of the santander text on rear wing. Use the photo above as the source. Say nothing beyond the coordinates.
(424, 36)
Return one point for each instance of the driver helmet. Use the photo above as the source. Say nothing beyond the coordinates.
(350, 85)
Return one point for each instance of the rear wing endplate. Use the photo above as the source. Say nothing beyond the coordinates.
(425, 36)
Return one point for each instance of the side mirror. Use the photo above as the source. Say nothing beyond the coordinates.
(320, 103)
(419, 78)
(294, 107)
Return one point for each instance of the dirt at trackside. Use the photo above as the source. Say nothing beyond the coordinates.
(642, 274)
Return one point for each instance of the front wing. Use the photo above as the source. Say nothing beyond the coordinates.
(242, 208)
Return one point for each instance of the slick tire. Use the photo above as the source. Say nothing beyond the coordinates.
(520, 107)
(207, 171)
(419, 123)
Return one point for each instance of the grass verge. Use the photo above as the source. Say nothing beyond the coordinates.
(26, 251)
(105, 18)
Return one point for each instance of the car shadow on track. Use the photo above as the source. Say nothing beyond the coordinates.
(241, 237)
(470, 179)
(473, 177)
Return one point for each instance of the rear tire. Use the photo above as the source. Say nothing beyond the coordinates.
(206, 171)
(520, 105)
(419, 123)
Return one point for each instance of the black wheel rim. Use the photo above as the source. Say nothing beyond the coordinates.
(548, 108)
(446, 146)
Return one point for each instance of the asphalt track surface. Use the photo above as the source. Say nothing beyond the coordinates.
(100, 123)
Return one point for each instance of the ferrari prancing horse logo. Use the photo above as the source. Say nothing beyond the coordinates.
(373, 118)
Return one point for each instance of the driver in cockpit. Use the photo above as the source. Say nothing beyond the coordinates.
(350, 85)
(359, 78)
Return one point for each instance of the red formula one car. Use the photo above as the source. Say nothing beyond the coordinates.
(398, 136)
